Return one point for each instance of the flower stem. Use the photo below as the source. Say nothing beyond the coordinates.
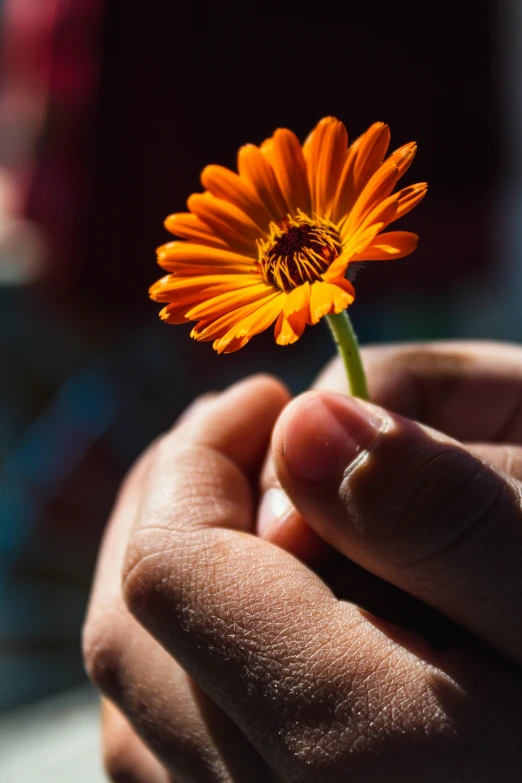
(346, 341)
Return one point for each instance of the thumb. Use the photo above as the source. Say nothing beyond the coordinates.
(411, 505)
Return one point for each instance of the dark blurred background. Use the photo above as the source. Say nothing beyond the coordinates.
(109, 109)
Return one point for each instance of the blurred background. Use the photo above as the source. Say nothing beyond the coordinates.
(108, 111)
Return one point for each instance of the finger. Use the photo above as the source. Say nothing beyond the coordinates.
(125, 757)
(279, 522)
(507, 457)
(411, 505)
(135, 672)
(312, 682)
(287, 529)
(131, 668)
(472, 391)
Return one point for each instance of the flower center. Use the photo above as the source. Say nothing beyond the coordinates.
(301, 249)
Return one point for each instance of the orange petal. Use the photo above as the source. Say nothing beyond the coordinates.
(190, 258)
(403, 157)
(384, 212)
(218, 305)
(353, 203)
(371, 151)
(392, 244)
(229, 222)
(212, 328)
(376, 191)
(312, 151)
(311, 144)
(364, 157)
(226, 185)
(258, 321)
(180, 270)
(382, 183)
(290, 169)
(171, 289)
(320, 301)
(327, 155)
(345, 194)
(363, 237)
(330, 297)
(268, 150)
(297, 306)
(285, 333)
(255, 169)
(409, 197)
(342, 293)
(355, 244)
(188, 226)
(175, 313)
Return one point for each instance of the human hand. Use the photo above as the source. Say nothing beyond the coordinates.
(472, 392)
(322, 690)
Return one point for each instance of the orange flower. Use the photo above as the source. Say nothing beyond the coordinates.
(275, 241)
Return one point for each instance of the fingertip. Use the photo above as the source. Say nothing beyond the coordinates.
(197, 405)
(273, 508)
(125, 758)
(236, 422)
(294, 535)
(321, 433)
(269, 386)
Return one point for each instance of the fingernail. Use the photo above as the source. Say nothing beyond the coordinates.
(274, 506)
(326, 434)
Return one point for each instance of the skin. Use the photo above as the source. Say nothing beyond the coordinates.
(394, 649)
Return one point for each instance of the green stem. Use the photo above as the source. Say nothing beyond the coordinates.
(346, 341)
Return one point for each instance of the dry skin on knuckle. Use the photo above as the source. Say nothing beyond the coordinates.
(348, 719)
(321, 699)
(273, 675)
(306, 707)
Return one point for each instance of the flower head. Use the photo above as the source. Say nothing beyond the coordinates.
(277, 240)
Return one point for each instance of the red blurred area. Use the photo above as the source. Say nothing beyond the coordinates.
(49, 79)
(129, 103)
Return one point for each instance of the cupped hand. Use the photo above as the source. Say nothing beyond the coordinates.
(239, 663)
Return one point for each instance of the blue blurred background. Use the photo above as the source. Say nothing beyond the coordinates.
(107, 115)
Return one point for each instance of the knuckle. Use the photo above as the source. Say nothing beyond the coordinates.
(452, 496)
(355, 731)
(137, 582)
(145, 569)
(116, 762)
(417, 497)
(101, 649)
